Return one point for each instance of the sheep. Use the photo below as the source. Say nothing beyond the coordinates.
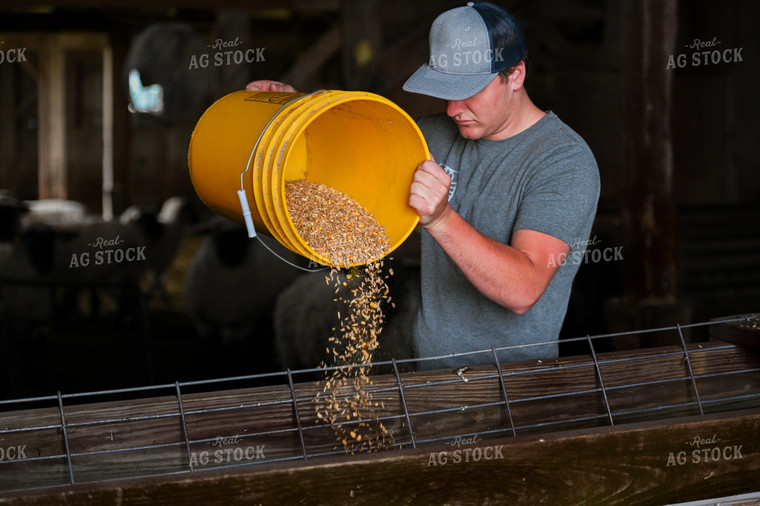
(57, 244)
(95, 251)
(162, 232)
(306, 311)
(232, 284)
(52, 212)
(19, 300)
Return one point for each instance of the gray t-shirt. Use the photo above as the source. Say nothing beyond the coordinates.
(544, 179)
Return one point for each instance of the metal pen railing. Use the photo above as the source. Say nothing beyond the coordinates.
(497, 379)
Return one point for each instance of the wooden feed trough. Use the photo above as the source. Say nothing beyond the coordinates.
(659, 425)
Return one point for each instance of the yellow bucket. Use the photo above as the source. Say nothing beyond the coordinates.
(356, 142)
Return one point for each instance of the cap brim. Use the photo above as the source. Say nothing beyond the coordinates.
(438, 84)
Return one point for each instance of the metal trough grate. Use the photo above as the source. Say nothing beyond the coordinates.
(185, 427)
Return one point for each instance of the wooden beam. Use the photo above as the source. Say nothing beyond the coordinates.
(8, 119)
(361, 37)
(746, 333)
(51, 113)
(648, 38)
(156, 4)
(118, 42)
(648, 463)
(311, 60)
(108, 130)
(306, 6)
(51, 140)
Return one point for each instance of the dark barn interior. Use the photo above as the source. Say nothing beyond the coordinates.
(664, 92)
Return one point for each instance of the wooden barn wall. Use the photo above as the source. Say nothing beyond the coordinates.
(576, 72)
(689, 237)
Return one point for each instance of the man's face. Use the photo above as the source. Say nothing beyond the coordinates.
(487, 114)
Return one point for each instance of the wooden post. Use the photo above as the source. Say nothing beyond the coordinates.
(118, 42)
(234, 25)
(312, 59)
(361, 42)
(648, 37)
(108, 120)
(52, 121)
(7, 119)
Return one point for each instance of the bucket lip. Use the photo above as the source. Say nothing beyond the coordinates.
(323, 100)
(335, 98)
(270, 140)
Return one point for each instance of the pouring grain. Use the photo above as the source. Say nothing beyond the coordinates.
(345, 233)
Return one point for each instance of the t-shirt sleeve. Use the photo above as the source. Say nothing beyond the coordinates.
(562, 194)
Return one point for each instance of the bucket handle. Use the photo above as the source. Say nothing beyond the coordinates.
(244, 199)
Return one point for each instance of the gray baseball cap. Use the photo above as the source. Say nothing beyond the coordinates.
(469, 46)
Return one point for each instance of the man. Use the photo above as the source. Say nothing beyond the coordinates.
(511, 193)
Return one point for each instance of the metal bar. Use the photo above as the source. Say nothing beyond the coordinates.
(403, 403)
(691, 371)
(656, 408)
(378, 364)
(581, 419)
(601, 381)
(184, 427)
(504, 392)
(441, 411)
(727, 373)
(66, 439)
(733, 398)
(298, 416)
(457, 409)
(560, 422)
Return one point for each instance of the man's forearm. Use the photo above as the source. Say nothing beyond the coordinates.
(504, 274)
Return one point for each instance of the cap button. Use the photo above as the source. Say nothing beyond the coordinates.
(470, 4)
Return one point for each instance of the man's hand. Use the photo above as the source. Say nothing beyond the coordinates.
(267, 85)
(429, 194)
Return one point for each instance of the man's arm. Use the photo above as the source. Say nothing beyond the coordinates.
(514, 276)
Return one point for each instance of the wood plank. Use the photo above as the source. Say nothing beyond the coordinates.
(52, 122)
(741, 333)
(361, 31)
(118, 41)
(646, 463)
(8, 118)
(159, 4)
(37, 41)
(312, 59)
(108, 131)
(52, 114)
(648, 37)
